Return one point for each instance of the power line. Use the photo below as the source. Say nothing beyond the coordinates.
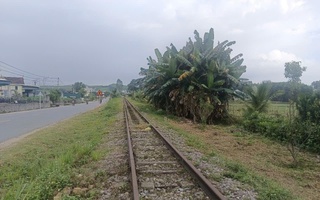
(11, 72)
(35, 79)
(21, 69)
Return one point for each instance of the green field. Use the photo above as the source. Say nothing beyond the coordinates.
(236, 108)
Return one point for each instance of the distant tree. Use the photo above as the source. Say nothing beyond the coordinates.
(286, 90)
(119, 86)
(77, 86)
(107, 93)
(305, 90)
(284, 87)
(316, 85)
(135, 84)
(54, 95)
(293, 71)
(82, 92)
(114, 93)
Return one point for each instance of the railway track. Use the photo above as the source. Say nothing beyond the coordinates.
(158, 170)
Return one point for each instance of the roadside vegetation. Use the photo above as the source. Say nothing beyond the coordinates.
(46, 162)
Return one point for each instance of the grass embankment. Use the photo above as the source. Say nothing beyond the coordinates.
(43, 163)
(261, 163)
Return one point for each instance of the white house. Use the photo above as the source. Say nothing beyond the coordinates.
(14, 86)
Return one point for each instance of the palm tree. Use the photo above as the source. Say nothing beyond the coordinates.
(259, 97)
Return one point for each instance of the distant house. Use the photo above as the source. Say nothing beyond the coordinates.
(88, 91)
(4, 81)
(14, 86)
(245, 81)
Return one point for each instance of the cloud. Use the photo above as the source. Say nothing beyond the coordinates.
(278, 56)
(290, 5)
(143, 25)
(269, 66)
(236, 31)
(98, 41)
(254, 6)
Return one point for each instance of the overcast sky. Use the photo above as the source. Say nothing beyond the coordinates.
(99, 41)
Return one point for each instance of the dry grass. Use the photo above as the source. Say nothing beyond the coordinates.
(262, 156)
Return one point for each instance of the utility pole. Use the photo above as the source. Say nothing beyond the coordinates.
(40, 95)
(44, 80)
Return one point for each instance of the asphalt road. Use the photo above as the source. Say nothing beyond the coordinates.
(16, 124)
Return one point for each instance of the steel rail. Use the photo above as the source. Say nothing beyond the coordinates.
(204, 183)
(134, 179)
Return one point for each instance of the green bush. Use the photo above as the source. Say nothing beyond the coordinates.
(306, 134)
(309, 136)
(54, 95)
(138, 95)
(270, 126)
(309, 108)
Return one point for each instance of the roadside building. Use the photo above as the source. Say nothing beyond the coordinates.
(14, 86)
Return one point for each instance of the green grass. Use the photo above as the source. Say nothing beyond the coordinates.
(266, 189)
(41, 165)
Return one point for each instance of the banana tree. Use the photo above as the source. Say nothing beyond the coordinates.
(195, 82)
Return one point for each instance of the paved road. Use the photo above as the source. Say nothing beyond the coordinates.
(16, 124)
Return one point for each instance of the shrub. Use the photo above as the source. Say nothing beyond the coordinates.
(305, 134)
(309, 108)
(272, 127)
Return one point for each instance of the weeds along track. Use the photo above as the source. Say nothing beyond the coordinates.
(158, 170)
